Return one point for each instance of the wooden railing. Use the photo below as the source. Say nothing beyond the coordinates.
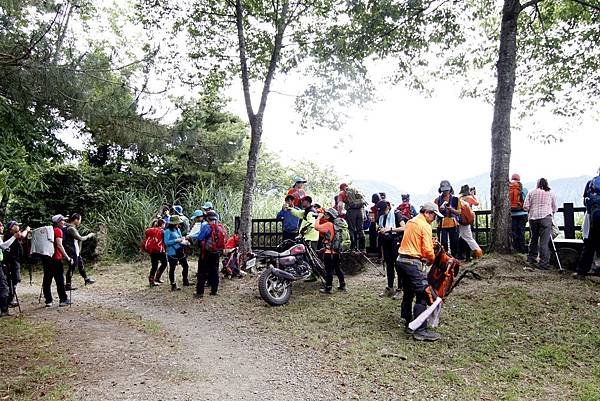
(268, 233)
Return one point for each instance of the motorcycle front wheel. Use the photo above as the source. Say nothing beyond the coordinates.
(274, 290)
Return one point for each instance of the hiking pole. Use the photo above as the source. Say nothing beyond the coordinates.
(14, 292)
(372, 264)
(556, 253)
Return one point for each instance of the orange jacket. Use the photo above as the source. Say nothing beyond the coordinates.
(417, 241)
(324, 229)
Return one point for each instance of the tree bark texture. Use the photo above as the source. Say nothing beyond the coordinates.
(256, 119)
(4, 204)
(501, 134)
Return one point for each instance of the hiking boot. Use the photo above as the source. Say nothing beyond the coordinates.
(89, 281)
(388, 292)
(326, 290)
(425, 335)
(578, 276)
(214, 294)
(543, 267)
(186, 283)
(48, 304)
(198, 296)
(408, 330)
(64, 303)
(69, 287)
(158, 280)
(175, 287)
(398, 295)
(4, 313)
(342, 288)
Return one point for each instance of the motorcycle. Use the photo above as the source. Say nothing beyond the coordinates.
(294, 260)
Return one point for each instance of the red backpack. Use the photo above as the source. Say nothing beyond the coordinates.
(515, 194)
(151, 244)
(217, 238)
(404, 209)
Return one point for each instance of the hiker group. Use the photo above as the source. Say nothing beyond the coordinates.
(173, 237)
(53, 244)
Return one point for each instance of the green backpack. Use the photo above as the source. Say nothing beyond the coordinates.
(341, 239)
(354, 198)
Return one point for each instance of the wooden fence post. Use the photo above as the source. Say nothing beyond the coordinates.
(569, 220)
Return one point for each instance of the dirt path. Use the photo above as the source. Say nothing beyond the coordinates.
(155, 345)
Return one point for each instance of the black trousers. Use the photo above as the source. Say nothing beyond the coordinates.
(53, 269)
(173, 264)
(355, 219)
(155, 260)
(12, 273)
(332, 264)
(414, 283)
(77, 262)
(450, 238)
(518, 224)
(390, 254)
(591, 245)
(208, 269)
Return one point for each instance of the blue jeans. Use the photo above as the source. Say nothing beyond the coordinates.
(518, 233)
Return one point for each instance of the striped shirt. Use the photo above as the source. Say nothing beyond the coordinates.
(540, 204)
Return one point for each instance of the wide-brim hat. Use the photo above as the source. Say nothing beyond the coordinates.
(207, 205)
(57, 218)
(12, 223)
(197, 213)
(334, 213)
(211, 215)
(445, 186)
(464, 190)
(299, 179)
(175, 220)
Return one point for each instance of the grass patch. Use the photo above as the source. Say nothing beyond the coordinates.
(31, 369)
(502, 339)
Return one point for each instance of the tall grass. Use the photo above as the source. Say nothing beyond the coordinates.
(126, 215)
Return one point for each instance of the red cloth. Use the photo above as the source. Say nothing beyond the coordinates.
(298, 194)
(232, 242)
(58, 233)
(156, 233)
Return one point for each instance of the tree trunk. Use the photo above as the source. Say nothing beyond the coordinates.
(249, 185)
(501, 136)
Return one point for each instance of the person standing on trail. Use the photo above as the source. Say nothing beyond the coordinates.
(155, 246)
(390, 225)
(517, 194)
(591, 226)
(185, 222)
(175, 244)
(408, 211)
(466, 242)
(449, 206)
(341, 200)
(541, 206)
(208, 262)
(4, 287)
(297, 191)
(12, 259)
(415, 253)
(355, 214)
(53, 267)
(72, 243)
(290, 222)
(307, 221)
(331, 257)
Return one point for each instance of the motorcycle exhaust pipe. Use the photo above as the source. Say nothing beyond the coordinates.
(283, 274)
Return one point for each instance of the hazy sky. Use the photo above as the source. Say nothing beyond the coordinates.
(413, 141)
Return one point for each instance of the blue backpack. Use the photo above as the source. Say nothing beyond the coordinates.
(592, 201)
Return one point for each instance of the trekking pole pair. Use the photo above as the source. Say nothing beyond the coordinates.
(372, 264)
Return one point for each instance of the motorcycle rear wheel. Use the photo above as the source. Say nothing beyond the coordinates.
(274, 290)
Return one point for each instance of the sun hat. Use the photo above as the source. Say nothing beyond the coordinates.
(431, 207)
(515, 177)
(197, 213)
(299, 179)
(12, 223)
(445, 186)
(343, 186)
(57, 218)
(207, 205)
(464, 190)
(175, 220)
(334, 213)
(178, 209)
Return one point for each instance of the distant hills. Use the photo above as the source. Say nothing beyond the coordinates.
(566, 189)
